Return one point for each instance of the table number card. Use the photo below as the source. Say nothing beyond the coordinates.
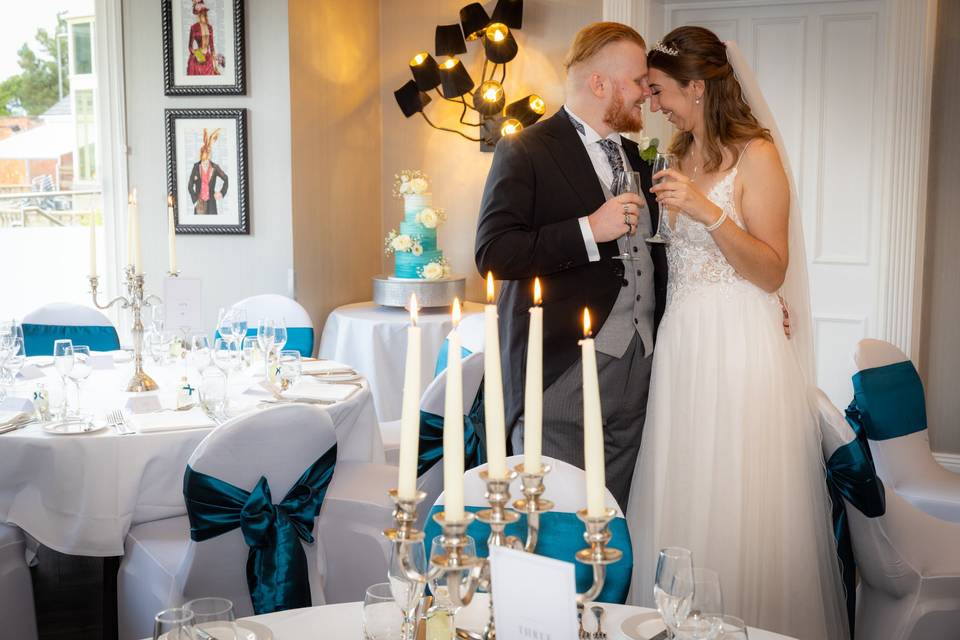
(182, 298)
(534, 598)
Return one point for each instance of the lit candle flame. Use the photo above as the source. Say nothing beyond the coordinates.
(489, 287)
(456, 312)
(586, 323)
(413, 309)
(537, 293)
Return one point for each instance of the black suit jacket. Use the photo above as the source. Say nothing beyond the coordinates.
(540, 183)
(193, 186)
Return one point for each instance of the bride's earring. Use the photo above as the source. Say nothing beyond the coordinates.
(697, 101)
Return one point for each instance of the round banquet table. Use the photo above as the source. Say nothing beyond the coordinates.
(344, 621)
(80, 494)
(373, 340)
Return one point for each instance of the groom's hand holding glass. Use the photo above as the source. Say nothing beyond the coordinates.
(677, 192)
(617, 216)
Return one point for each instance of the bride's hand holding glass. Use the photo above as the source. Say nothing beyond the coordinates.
(678, 193)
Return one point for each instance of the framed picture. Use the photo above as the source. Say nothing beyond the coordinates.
(203, 48)
(207, 170)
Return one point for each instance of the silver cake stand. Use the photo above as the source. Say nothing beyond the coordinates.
(395, 292)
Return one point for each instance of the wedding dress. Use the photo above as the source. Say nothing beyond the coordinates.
(730, 464)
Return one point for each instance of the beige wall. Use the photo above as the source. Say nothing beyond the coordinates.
(456, 166)
(940, 337)
(335, 116)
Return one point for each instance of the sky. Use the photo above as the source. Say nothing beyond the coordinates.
(21, 25)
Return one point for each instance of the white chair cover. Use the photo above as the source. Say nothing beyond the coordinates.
(272, 305)
(16, 589)
(162, 567)
(906, 463)
(471, 330)
(908, 561)
(67, 314)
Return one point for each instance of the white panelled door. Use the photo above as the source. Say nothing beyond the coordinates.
(820, 70)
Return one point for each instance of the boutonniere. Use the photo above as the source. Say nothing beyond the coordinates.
(648, 147)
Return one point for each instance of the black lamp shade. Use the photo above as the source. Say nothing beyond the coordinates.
(499, 44)
(425, 71)
(454, 79)
(448, 40)
(509, 12)
(473, 19)
(410, 99)
(527, 110)
(489, 98)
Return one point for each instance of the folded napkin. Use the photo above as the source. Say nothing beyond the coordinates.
(11, 420)
(324, 367)
(315, 391)
(171, 421)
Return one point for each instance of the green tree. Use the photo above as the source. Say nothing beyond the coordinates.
(34, 89)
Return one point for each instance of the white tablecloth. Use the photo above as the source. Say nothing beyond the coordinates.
(373, 340)
(344, 621)
(80, 494)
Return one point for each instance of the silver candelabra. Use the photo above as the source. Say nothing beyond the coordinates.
(135, 300)
(468, 573)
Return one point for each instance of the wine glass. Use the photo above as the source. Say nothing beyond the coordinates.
(703, 621)
(225, 323)
(673, 588)
(406, 591)
(173, 624)
(265, 333)
(382, 619)
(290, 368)
(82, 368)
(214, 616)
(63, 362)
(627, 182)
(280, 334)
(438, 584)
(239, 326)
(16, 358)
(661, 162)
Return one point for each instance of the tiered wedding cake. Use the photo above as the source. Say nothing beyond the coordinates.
(416, 255)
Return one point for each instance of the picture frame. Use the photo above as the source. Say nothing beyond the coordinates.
(207, 170)
(204, 50)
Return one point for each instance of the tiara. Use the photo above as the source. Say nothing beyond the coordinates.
(662, 48)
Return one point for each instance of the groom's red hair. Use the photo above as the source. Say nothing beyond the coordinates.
(594, 37)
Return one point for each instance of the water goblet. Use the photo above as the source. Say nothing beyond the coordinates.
(406, 590)
(173, 624)
(63, 362)
(673, 586)
(382, 619)
(82, 368)
(214, 616)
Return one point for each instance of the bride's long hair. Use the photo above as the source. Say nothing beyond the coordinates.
(728, 121)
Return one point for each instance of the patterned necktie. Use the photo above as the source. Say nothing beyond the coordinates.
(612, 151)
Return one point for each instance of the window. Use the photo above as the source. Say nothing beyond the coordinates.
(51, 151)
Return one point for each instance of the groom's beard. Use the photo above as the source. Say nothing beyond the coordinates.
(621, 118)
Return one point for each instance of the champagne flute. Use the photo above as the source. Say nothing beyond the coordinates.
(406, 591)
(225, 323)
(703, 621)
(673, 588)
(173, 624)
(63, 362)
(628, 182)
(265, 332)
(660, 163)
(280, 334)
(82, 368)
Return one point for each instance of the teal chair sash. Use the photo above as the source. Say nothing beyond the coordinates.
(889, 401)
(561, 536)
(276, 565)
(443, 355)
(39, 338)
(298, 339)
(851, 477)
(431, 438)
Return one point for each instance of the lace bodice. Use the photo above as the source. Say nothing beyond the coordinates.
(693, 257)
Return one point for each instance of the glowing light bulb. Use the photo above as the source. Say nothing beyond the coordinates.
(510, 127)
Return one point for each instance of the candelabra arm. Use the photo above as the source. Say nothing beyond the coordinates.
(156, 300)
(533, 503)
(597, 554)
(123, 302)
(599, 580)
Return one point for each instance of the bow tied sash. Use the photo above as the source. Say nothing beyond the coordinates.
(277, 573)
(888, 401)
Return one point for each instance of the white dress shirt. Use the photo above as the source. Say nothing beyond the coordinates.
(591, 142)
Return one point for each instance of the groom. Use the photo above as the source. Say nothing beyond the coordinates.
(548, 211)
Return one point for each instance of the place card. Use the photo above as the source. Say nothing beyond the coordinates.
(534, 597)
(31, 372)
(183, 304)
(144, 404)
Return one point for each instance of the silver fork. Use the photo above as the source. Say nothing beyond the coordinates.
(119, 422)
(582, 633)
(599, 634)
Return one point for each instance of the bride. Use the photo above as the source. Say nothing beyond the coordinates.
(730, 464)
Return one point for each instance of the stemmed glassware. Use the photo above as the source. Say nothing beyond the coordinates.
(662, 162)
(81, 370)
(174, 624)
(214, 616)
(704, 620)
(381, 617)
(225, 323)
(406, 591)
(63, 362)
(226, 354)
(239, 326)
(12, 359)
(673, 587)
(627, 182)
(280, 335)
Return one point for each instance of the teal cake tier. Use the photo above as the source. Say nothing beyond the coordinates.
(408, 265)
(428, 237)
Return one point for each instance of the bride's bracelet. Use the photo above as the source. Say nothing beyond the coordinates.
(716, 225)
